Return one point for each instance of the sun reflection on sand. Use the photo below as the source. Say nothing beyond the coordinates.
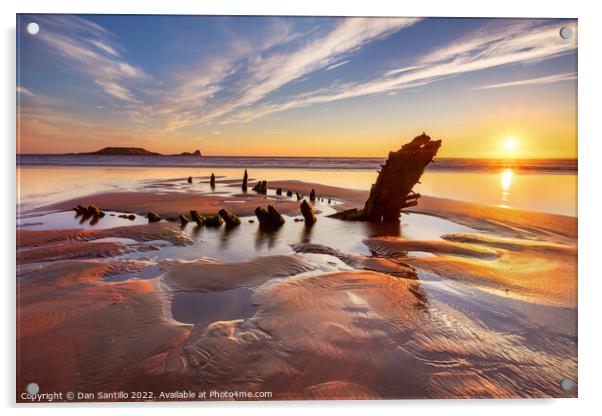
(506, 177)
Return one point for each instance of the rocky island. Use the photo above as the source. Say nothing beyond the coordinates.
(121, 151)
(197, 152)
(133, 151)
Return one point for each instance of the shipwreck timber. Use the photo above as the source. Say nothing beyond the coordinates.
(392, 190)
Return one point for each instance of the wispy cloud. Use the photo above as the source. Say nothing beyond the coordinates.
(104, 47)
(90, 51)
(527, 41)
(338, 64)
(261, 69)
(270, 73)
(116, 90)
(551, 79)
(25, 91)
(219, 88)
(186, 98)
(397, 71)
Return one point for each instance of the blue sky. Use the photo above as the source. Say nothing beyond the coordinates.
(295, 85)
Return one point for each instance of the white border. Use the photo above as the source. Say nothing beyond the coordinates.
(590, 207)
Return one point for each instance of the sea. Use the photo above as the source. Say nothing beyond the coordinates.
(439, 164)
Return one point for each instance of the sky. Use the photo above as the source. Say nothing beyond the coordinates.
(296, 86)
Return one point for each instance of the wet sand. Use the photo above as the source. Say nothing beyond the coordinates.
(531, 271)
(509, 222)
(489, 312)
(173, 204)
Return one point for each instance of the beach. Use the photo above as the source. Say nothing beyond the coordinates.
(473, 294)
(312, 207)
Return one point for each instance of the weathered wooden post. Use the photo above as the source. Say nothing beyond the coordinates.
(392, 190)
(245, 178)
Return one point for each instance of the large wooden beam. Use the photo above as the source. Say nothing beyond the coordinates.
(392, 190)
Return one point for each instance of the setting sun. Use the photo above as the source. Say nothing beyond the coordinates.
(510, 143)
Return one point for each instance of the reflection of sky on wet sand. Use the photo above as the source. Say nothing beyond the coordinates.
(203, 308)
(248, 240)
(556, 193)
(544, 192)
(70, 220)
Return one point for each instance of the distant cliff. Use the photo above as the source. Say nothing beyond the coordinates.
(134, 151)
(197, 152)
(122, 151)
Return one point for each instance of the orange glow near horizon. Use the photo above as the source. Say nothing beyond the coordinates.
(539, 126)
(506, 134)
(352, 145)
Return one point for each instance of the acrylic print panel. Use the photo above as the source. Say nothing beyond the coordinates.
(275, 208)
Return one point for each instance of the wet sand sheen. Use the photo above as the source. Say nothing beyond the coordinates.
(312, 316)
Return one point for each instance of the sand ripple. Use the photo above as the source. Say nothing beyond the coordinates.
(359, 334)
(377, 264)
(146, 232)
(533, 271)
(205, 275)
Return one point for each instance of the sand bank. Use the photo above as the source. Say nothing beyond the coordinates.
(74, 250)
(348, 195)
(147, 232)
(394, 246)
(509, 222)
(523, 269)
(173, 204)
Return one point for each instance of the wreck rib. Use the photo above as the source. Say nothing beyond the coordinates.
(392, 190)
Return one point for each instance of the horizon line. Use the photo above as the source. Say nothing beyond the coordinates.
(297, 157)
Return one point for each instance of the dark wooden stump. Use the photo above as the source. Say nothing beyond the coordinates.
(392, 191)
